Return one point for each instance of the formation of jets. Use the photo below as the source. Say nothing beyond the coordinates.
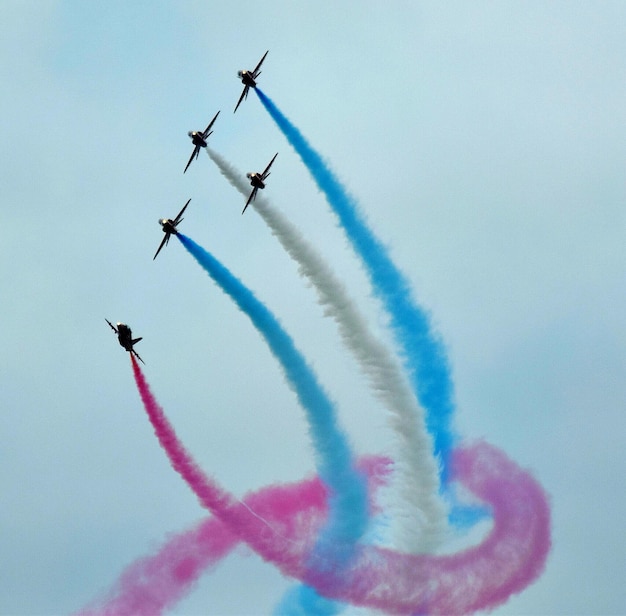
(169, 226)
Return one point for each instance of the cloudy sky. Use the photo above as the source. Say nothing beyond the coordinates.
(485, 141)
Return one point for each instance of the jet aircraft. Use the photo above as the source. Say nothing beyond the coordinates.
(125, 337)
(257, 180)
(169, 227)
(248, 78)
(199, 140)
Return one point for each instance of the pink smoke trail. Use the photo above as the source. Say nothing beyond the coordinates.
(287, 511)
(152, 584)
(512, 555)
(275, 544)
(155, 583)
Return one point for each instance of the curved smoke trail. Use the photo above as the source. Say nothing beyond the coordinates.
(482, 577)
(422, 351)
(347, 501)
(420, 515)
(155, 583)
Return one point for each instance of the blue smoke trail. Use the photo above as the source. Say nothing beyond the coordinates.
(423, 353)
(298, 601)
(348, 515)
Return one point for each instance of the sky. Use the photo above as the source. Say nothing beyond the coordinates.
(485, 142)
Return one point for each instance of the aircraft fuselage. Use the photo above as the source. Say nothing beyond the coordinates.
(247, 79)
(197, 139)
(256, 181)
(125, 336)
(168, 225)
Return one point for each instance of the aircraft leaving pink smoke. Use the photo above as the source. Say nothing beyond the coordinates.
(482, 577)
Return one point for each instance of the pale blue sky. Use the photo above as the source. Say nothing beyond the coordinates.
(487, 144)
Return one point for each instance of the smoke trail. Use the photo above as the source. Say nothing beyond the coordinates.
(482, 577)
(272, 544)
(348, 513)
(422, 351)
(421, 513)
(154, 584)
(334, 457)
(237, 515)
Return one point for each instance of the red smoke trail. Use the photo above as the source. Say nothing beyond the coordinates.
(273, 546)
(512, 555)
(273, 518)
(154, 584)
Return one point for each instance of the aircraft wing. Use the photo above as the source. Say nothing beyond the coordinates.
(111, 325)
(195, 152)
(244, 94)
(137, 356)
(163, 242)
(256, 71)
(266, 172)
(250, 198)
(180, 214)
(207, 130)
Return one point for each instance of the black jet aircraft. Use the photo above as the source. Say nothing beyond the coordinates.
(125, 336)
(199, 140)
(257, 180)
(248, 78)
(169, 227)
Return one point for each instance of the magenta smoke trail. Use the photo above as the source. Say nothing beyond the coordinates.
(482, 577)
(284, 550)
(211, 496)
(155, 583)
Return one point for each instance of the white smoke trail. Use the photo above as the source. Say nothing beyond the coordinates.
(420, 520)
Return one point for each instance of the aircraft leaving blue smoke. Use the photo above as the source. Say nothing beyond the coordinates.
(423, 354)
(348, 506)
